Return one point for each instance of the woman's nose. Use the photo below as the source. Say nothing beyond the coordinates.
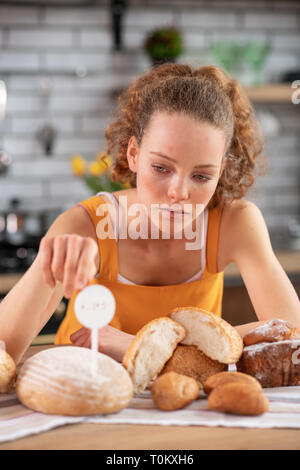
(178, 191)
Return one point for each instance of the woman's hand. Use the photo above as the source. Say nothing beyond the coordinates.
(111, 341)
(70, 259)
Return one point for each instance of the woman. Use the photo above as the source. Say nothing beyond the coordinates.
(186, 138)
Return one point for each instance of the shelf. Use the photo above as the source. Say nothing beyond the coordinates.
(271, 93)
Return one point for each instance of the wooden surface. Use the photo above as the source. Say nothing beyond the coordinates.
(271, 93)
(85, 436)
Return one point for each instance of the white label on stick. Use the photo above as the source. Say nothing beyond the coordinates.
(95, 307)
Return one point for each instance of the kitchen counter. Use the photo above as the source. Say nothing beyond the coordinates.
(130, 436)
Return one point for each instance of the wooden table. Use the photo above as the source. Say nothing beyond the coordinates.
(84, 436)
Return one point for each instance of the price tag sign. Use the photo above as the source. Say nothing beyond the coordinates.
(94, 308)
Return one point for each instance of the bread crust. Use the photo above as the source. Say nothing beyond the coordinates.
(60, 381)
(220, 326)
(222, 378)
(7, 372)
(173, 391)
(190, 361)
(274, 364)
(238, 398)
(138, 346)
(270, 332)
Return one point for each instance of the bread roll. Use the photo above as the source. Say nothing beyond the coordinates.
(7, 372)
(274, 330)
(238, 398)
(229, 377)
(190, 361)
(60, 381)
(152, 346)
(173, 391)
(272, 364)
(210, 333)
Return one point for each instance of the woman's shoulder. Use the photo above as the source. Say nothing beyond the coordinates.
(239, 218)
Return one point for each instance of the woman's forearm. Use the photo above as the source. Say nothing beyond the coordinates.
(243, 329)
(23, 310)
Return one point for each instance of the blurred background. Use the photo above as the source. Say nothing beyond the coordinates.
(63, 65)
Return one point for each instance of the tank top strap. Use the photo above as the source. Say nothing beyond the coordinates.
(212, 242)
(97, 210)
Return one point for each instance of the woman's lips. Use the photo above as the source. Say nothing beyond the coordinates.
(172, 212)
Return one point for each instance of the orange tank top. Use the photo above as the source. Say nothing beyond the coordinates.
(137, 304)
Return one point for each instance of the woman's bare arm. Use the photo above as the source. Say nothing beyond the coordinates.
(269, 288)
(32, 301)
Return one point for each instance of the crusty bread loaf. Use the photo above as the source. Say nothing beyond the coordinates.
(60, 381)
(238, 398)
(229, 377)
(270, 332)
(7, 372)
(152, 346)
(272, 364)
(173, 391)
(190, 361)
(210, 333)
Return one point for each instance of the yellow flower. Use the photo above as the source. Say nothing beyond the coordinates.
(78, 164)
(127, 185)
(104, 160)
(96, 169)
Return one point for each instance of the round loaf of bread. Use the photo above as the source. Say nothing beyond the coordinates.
(7, 372)
(173, 391)
(272, 364)
(238, 398)
(60, 380)
(151, 348)
(211, 334)
(190, 361)
(274, 330)
(229, 377)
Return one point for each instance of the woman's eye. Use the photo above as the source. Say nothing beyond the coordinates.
(201, 178)
(159, 168)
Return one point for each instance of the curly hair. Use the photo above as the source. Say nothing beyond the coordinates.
(207, 94)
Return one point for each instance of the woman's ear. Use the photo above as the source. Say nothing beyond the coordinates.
(132, 153)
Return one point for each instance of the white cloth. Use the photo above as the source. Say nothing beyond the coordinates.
(17, 421)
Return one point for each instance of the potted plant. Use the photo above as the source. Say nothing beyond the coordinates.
(163, 44)
(97, 173)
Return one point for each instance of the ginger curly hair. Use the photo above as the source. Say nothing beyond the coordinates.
(207, 94)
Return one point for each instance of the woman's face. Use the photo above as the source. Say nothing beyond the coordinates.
(178, 162)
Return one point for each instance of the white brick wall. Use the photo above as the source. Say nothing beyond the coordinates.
(47, 43)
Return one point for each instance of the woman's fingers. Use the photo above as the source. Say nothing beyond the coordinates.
(73, 251)
(74, 336)
(81, 338)
(86, 268)
(69, 259)
(58, 258)
(46, 252)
